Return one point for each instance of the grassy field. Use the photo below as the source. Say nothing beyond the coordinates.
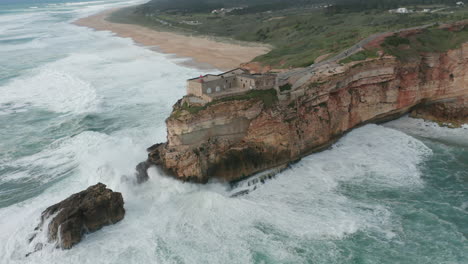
(298, 35)
(429, 41)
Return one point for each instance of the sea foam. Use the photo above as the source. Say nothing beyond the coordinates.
(52, 89)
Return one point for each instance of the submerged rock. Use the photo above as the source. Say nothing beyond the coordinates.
(83, 212)
(142, 172)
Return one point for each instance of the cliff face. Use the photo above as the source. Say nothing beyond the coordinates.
(233, 139)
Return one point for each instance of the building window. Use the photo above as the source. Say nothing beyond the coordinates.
(208, 91)
(218, 89)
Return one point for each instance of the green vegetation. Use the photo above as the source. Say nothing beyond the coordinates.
(360, 56)
(197, 6)
(430, 40)
(192, 109)
(285, 87)
(343, 6)
(268, 97)
(315, 84)
(298, 30)
(396, 41)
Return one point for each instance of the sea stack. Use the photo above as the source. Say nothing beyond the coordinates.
(83, 212)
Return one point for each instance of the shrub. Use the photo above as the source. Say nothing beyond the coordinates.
(285, 87)
(396, 41)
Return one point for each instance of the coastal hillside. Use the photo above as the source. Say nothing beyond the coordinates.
(300, 32)
(236, 136)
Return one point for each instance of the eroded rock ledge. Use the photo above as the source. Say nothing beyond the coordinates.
(232, 139)
(451, 112)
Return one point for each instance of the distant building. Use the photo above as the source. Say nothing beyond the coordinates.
(223, 11)
(191, 22)
(235, 81)
(217, 11)
(401, 10)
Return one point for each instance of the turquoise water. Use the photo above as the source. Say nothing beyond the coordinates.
(78, 107)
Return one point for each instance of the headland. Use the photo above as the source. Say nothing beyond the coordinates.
(239, 123)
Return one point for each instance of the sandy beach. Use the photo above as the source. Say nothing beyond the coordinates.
(203, 51)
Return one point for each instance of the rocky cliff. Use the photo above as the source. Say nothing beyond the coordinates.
(236, 137)
(451, 112)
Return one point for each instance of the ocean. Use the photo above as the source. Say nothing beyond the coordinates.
(79, 107)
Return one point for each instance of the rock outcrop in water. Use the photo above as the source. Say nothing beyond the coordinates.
(232, 139)
(84, 212)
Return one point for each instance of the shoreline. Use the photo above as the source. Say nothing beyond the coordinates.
(204, 53)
